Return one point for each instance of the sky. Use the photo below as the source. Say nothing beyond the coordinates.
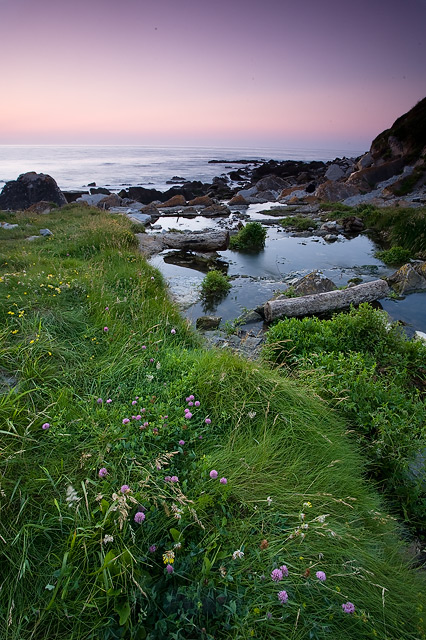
(298, 73)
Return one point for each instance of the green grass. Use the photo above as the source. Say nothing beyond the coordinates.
(395, 256)
(215, 284)
(300, 223)
(282, 450)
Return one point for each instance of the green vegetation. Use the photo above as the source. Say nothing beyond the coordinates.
(250, 238)
(300, 223)
(396, 256)
(376, 379)
(215, 284)
(399, 226)
(152, 489)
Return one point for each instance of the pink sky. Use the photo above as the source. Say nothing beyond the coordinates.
(298, 73)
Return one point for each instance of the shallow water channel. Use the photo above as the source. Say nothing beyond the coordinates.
(256, 277)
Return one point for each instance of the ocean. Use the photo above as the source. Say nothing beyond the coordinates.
(115, 167)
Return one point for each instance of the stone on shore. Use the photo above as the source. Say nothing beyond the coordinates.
(28, 189)
(409, 278)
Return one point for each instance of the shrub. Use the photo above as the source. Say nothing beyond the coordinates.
(215, 284)
(250, 238)
(396, 255)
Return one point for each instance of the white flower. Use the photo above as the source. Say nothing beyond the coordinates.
(237, 554)
(158, 365)
(269, 501)
(107, 539)
(321, 519)
(149, 377)
(251, 414)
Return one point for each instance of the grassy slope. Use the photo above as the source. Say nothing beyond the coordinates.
(267, 436)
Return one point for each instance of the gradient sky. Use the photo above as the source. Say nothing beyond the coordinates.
(303, 73)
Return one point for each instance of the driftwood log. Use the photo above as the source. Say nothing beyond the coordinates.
(322, 302)
(208, 241)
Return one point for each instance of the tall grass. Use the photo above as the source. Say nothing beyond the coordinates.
(84, 319)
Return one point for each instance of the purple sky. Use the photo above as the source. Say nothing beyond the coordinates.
(302, 73)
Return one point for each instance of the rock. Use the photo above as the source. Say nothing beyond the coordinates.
(208, 323)
(72, 196)
(203, 262)
(331, 191)
(250, 317)
(105, 192)
(29, 189)
(140, 218)
(92, 184)
(314, 282)
(238, 200)
(323, 302)
(151, 209)
(113, 200)
(175, 201)
(365, 161)
(215, 210)
(149, 245)
(45, 233)
(204, 201)
(92, 201)
(43, 207)
(32, 238)
(7, 381)
(330, 237)
(331, 226)
(334, 172)
(408, 278)
(352, 224)
(7, 226)
(140, 194)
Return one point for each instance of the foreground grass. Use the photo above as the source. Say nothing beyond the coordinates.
(95, 543)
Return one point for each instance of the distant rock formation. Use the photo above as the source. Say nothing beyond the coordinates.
(28, 189)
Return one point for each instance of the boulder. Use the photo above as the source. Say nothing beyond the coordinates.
(41, 207)
(352, 224)
(175, 201)
(409, 278)
(112, 200)
(204, 201)
(238, 201)
(334, 172)
(215, 210)
(314, 282)
(206, 241)
(45, 233)
(331, 191)
(105, 192)
(29, 189)
(208, 323)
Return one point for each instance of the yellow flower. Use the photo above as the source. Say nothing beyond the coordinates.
(168, 557)
(11, 313)
(15, 331)
(31, 341)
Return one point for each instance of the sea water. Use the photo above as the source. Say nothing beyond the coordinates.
(115, 167)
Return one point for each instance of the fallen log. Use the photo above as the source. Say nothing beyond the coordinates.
(208, 241)
(328, 301)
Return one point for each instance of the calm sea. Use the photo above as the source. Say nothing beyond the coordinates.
(74, 167)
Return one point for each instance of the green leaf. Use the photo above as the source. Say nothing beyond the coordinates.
(176, 535)
(123, 611)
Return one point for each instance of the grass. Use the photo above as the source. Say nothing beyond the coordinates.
(84, 320)
(215, 284)
(395, 256)
(300, 223)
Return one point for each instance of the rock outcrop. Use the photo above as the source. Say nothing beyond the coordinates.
(28, 189)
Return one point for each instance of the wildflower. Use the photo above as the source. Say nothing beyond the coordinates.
(99, 401)
(321, 519)
(264, 545)
(222, 571)
(109, 401)
(71, 496)
(284, 570)
(191, 397)
(269, 501)
(167, 479)
(158, 365)
(223, 481)
(277, 575)
(197, 403)
(174, 479)
(152, 278)
(282, 596)
(169, 569)
(207, 421)
(173, 331)
(151, 360)
(102, 472)
(307, 504)
(213, 474)
(143, 346)
(181, 442)
(251, 414)
(348, 607)
(145, 424)
(138, 417)
(190, 404)
(268, 615)
(177, 512)
(321, 576)
(139, 517)
(106, 329)
(168, 557)
(155, 431)
(188, 415)
(45, 426)
(125, 488)
(152, 548)
(178, 545)
(238, 554)
(126, 421)
(134, 402)
(107, 539)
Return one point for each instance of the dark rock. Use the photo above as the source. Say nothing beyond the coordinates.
(175, 201)
(28, 189)
(314, 282)
(112, 200)
(41, 207)
(106, 192)
(92, 184)
(409, 278)
(208, 322)
(331, 191)
(352, 224)
(72, 196)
